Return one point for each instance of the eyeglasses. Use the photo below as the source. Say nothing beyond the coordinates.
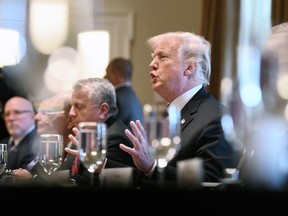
(15, 113)
(50, 113)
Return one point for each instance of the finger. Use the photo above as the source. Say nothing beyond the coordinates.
(73, 139)
(75, 131)
(132, 138)
(127, 149)
(136, 131)
(71, 151)
(141, 128)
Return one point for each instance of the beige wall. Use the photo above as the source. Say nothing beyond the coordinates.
(151, 17)
(154, 17)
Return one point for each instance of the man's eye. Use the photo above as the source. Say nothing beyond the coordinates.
(164, 55)
(78, 106)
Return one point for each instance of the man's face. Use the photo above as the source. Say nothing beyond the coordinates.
(83, 110)
(111, 75)
(51, 118)
(166, 71)
(18, 116)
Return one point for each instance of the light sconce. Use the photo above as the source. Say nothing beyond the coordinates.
(93, 47)
(48, 21)
(13, 47)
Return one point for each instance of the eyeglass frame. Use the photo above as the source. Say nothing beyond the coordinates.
(15, 112)
(51, 113)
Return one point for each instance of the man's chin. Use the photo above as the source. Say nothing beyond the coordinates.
(40, 131)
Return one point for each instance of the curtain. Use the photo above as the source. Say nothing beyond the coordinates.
(220, 24)
(279, 11)
(220, 27)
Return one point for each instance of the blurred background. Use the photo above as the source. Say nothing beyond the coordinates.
(53, 43)
(129, 23)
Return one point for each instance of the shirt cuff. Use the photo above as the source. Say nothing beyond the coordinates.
(149, 174)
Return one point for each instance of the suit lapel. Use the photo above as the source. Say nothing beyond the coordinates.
(188, 111)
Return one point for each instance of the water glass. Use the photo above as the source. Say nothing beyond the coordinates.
(92, 146)
(3, 157)
(50, 152)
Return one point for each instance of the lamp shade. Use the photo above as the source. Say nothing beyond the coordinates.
(93, 47)
(13, 47)
(48, 22)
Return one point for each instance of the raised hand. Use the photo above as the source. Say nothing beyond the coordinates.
(140, 151)
(73, 138)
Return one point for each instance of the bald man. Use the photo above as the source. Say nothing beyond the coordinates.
(20, 123)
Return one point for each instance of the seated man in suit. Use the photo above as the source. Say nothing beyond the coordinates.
(94, 100)
(52, 118)
(179, 72)
(20, 123)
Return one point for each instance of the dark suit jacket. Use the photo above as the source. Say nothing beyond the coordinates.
(129, 106)
(24, 152)
(116, 157)
(202, 136)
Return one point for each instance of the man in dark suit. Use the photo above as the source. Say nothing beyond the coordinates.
(119, 73)
(52, 118)
(6, 92)
(180, 70)
(94, 100)
(20, 123)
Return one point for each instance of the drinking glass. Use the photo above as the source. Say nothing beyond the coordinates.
(50, 152)
(3, 158)
(163, 132)
(92, 146)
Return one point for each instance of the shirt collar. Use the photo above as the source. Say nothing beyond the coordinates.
(181, 101)
(19, 139)
(122, 84)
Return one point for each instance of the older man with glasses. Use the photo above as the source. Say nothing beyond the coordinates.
(20, 123)
(52, 118)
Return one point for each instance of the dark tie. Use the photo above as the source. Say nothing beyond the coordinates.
(12, 144)
(11, 155)
(165, 112)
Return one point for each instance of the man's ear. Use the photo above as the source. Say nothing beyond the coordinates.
(104, 110)
(191, 68)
